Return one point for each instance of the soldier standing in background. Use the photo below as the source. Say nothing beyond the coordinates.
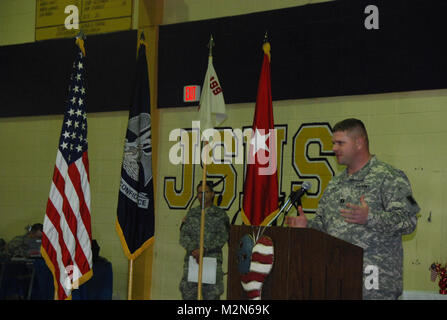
(216, 234)
(370, 204)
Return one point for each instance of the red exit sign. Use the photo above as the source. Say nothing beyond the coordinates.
(191, 93)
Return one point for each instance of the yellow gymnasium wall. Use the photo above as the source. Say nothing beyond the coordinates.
(406, 130)
(29, 148)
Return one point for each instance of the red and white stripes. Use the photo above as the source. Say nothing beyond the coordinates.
(66, 239)
(261, 264)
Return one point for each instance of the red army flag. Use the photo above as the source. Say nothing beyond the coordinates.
(260, 204)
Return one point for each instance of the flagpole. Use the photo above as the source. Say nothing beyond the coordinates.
(129, 286)
(202, 219)
(202, 232)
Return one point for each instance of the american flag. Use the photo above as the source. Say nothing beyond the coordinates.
(66, 238)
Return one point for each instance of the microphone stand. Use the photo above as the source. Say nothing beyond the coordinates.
(294, 196)
(290, 201)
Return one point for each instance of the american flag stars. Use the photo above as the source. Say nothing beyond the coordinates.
(73, 140)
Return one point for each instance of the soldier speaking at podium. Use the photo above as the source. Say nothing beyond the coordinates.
(370, 204)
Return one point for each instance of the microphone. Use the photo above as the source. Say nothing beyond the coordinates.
(294, 196)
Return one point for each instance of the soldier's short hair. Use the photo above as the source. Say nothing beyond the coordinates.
(352, 125)
(208, 183)
(36, 226)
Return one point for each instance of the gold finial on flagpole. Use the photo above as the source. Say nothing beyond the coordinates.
(211, 45)
(142, 39)
(80, 37)
(266, 45)
(266, 36)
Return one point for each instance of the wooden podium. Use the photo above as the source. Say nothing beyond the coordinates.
(308, 264)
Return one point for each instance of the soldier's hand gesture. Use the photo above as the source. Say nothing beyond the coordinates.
(356, 214)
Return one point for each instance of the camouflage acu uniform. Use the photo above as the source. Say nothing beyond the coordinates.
(216, 234)
(392, 213)
(19, 246)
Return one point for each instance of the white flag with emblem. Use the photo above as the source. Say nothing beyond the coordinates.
(212, 104)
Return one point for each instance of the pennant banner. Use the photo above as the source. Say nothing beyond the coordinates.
(135, 214)
(212, 104)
